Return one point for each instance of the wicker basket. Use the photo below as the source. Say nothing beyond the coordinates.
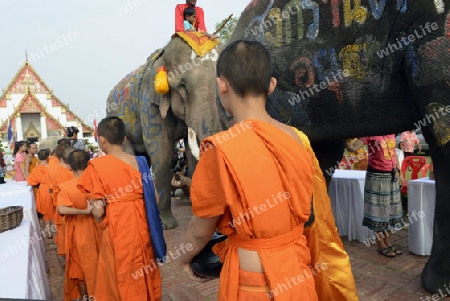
(10, 217)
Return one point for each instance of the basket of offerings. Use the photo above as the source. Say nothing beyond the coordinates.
(10, 217)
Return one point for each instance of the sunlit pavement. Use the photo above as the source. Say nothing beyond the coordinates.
(377, 277)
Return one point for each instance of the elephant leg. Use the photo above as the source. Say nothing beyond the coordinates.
(430, 86)
(436, 273)
(329, 154)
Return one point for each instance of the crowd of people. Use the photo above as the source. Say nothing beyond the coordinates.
(97, 210)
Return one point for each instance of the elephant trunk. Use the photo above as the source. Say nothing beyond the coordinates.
(202, 120)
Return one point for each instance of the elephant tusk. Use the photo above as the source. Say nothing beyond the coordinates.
(193, 145)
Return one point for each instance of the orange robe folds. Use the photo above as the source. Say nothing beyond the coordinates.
(82, 242)
(336, 282)
(58, 175)
(33, 164)
(263, 207)
(52, 160)
(126, 267)
(44, 204)
(267, 202)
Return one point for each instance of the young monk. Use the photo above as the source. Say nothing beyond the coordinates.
(82, 240)
(59, 173)
(39, 178)
(113, 184)
(264, 197)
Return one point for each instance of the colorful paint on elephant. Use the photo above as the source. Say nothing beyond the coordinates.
(284, 23)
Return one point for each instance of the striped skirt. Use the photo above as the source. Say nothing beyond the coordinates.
(382, 202)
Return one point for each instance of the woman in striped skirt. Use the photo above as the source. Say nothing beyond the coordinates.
(382, 201)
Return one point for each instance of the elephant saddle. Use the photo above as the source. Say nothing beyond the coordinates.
(200, 43)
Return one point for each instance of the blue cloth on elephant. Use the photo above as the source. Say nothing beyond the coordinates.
(152, 211)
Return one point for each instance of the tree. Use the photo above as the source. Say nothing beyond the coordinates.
(227, 30)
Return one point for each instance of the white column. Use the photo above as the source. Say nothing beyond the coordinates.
(43, 126)
(19, 129)
(80, 131)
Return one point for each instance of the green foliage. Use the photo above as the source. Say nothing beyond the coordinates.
(2, 148)
(226, 32)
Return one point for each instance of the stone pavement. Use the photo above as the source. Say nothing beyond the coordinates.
(377, 278)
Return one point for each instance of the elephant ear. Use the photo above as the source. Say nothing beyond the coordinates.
(161, 100)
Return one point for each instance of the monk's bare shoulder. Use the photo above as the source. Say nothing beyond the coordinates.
(288, 130)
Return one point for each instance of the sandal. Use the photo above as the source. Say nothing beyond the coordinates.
(394, 249)
(387, 252)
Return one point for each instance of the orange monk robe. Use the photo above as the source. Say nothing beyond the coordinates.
(52, 160)
(125, 240)
(58, 175)
(267, 201)
(33, 164)
(82, 242)
(44, 204)
(336, 282)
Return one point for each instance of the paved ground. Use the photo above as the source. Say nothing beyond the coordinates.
(377, 278)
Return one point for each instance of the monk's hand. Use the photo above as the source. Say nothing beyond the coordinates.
(191, 274)
(89, 207)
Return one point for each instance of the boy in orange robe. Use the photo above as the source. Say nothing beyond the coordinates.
(264, 197)
(40, 176)
(59, 173)
(113, 184)
(82, 240)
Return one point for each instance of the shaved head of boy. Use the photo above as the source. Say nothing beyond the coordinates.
(43, 154)
(112, 129)
(247, 67)
(244, 79)
(78, 159)
(59, 151)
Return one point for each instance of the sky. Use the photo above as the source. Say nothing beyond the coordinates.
(95, 43)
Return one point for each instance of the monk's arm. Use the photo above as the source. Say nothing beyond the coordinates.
(98, 209)
(26, 164)
(64, 210)
(198, 234)
(32, 180)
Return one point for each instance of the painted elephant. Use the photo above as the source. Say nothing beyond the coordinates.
(355, 68)
(155, 121)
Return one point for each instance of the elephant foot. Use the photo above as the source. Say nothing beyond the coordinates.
(434, 279)
(168, 220)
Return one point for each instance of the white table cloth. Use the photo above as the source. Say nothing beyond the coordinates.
(20, 194)
(421, 197)
(346, 193)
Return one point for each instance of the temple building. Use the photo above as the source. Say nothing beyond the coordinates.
(35, 113)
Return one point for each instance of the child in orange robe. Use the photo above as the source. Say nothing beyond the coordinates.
(82, 239)
(41, 178)
(113, 184)
(59, 173)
